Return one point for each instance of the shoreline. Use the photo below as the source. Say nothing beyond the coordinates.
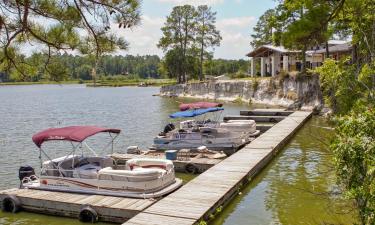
(89, 83)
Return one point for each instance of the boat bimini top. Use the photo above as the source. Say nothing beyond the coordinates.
(199, 105)
(74, 134)
(194, 112)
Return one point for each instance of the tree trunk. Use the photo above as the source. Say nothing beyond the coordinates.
(93, 72)
(354, 54)
(201, 64)
(327, 50)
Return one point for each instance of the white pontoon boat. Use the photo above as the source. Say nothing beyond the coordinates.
(193, 134)
(241, 126)
(141, 178)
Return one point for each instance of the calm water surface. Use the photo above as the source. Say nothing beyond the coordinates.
(292, 190)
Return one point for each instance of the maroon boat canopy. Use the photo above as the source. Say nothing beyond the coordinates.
(72, 133)
(199, 105)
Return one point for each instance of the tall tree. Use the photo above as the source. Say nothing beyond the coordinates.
(70, 22)
(178, 35)
(267, 30)
(306, 23)
(207, 35)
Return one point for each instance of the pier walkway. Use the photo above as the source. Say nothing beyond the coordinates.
(200, 198)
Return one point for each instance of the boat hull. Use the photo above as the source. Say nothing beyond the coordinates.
(227, 147)
(94, 186)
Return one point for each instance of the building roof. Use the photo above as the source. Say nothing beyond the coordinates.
(337, 48)
(265, 50)
(336, 42)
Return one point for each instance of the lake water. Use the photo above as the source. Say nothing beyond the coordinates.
(291, 190)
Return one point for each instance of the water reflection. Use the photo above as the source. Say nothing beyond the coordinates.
(25, 110)
(295, 188)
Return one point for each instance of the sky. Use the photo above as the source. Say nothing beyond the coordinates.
(235, 20)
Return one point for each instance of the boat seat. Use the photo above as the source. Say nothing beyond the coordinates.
(136, 175)
(88, 171)
(101, 162)
(208, 130)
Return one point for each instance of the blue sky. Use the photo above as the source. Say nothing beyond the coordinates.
(235, 20)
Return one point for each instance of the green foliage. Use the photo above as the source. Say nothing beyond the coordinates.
(56, 26)
(267, 30)
(69, 67)
(187, 33)
(202, 222)
(354, 151)
(217, 67)
(342, 88)
(348, 85)
(178, 36)
(207, 35)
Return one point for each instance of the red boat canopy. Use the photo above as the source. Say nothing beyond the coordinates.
(72, 133)
(199, 105)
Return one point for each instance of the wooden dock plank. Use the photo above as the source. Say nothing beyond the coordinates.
(270, 119)
(152, 219)
(198, 198)
(109, 208)
(265, 112)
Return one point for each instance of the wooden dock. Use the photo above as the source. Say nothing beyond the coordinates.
(199, 198)
(109, 209)
(192, 203)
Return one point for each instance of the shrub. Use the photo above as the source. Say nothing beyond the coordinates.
(354, 151)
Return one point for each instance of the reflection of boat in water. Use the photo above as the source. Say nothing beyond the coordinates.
(191, 134)
(141, 178)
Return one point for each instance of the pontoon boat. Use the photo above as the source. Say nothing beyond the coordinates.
(242, 126)
(141, 178)
(193, 134)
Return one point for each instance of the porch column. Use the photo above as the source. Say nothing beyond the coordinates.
(253, 70)
(262, 67)
(285, 63)
(273, 69)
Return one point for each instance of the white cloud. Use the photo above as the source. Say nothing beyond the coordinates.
(192, 2)
(235, 32)
(236, 22)
(236, 37)
(233, 46)
(143, 38)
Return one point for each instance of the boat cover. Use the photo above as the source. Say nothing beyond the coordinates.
(193, 113)
(72, 133)
(199, 105)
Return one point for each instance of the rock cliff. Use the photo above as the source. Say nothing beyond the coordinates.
(294, 93)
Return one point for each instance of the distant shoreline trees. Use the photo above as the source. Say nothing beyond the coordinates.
(78, 67)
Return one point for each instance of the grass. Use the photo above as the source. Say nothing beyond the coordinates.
(121, 83)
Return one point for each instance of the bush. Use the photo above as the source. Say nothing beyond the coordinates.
(354, 158)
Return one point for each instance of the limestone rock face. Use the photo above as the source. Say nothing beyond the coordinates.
(294, 93)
